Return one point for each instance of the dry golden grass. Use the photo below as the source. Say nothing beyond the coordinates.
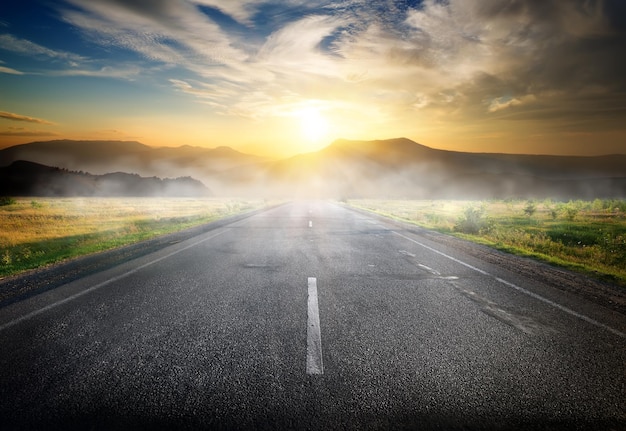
(39, 231)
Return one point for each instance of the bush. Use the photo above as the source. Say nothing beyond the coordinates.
(570, 212)
(473, 221)
(530, 208)
(6, 200)
(614, 249)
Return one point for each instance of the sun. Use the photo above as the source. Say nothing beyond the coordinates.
(313, 125)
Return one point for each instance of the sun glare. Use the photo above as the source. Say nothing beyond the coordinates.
(313, 125)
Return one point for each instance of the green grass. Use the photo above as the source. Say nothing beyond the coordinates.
(589, 237)
(585, 236)
(40, 232)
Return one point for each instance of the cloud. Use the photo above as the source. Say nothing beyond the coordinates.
(27, 133)
(10, 71)
(508, 102)
(454, 60)
(241, 11)
(296, 47)
(24, 132)
(104, 72)
(188, 88)
(23, 46)
(18, 117)
(488, 56)
(172, 31)
(250, 12)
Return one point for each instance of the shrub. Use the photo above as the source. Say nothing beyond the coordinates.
(6, 200)
(530, 208)
(571, 211)
(598, 205)
(554, 213)
(6, 258)
(614, 249)
(473, 221)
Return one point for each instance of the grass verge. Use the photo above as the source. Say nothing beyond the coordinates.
(40, 232)
(584, 236)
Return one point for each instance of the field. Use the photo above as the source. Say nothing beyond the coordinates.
(585, 236)
(38, 232)
(589, 237)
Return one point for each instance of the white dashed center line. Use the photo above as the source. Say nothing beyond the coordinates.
(314, 362)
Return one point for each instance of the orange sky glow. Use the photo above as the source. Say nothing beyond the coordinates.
(277, 79)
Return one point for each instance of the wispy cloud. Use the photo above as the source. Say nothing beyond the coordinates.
(130, 72)
(10, 71)
(27, 133)
(70, 64)
(454, 60)
(18, 117)
(507, 102)
(172, 31)
(240, 11)
(9, 42)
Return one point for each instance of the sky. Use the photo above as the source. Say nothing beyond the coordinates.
(277, 78)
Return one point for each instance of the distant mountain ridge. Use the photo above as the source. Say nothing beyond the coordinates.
(403, 152)
(24, 178)
(100, 157)
(393, 168)
(401, 168)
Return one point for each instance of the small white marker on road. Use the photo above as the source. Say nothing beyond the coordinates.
(310, 223)
(314, 362)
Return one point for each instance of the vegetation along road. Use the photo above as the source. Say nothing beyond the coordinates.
(313, 315)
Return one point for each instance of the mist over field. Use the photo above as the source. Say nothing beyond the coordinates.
(394, 168)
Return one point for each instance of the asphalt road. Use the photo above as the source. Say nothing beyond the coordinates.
(311, 316)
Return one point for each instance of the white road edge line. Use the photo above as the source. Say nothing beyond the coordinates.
(314, 362)
(101, 284)
(521, 289)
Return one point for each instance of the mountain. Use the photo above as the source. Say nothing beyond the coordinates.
(101, 157)
(78, 155)
(24, 178)
(401, 168)
(393, 168)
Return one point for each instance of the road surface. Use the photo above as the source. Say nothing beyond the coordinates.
(311, 316)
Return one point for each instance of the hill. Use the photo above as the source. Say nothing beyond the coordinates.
(101, 157)
(394, 168)
(24, 178)
(402, 168)
(77, 155)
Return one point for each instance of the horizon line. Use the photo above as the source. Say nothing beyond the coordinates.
(333, 142)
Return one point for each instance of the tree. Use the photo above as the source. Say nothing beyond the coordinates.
(530, 208)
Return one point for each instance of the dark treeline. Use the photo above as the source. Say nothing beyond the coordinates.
(23, 178)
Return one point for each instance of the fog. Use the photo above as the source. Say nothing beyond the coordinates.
(395, 168)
